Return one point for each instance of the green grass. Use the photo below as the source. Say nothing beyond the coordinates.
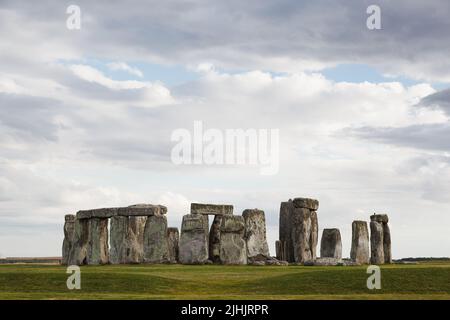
(422, 281)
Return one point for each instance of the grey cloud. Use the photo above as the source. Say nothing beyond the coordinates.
(424, 136)
(439, 99)
(29, 118)
(256, 34)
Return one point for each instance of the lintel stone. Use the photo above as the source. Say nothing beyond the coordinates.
(213, 209)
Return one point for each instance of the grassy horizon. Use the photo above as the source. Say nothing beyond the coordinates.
(420, 281)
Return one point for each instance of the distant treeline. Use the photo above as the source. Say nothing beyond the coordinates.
(425, 259)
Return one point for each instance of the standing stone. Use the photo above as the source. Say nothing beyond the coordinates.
(156, 249)
(135, 239)
(69, 234)
(118, 240)
(127, 239)
(298, 230)
(314, 238)
(380, 239)
(360, 252)
(173, 240)
(193, 247)
(301, 235)
(214, 239)
(98, 252)
(331, 244)
(285, 230)
(387, 243)
(376, 242)
(79, 252)
(280, 249)
(255, 234)
(232, 243)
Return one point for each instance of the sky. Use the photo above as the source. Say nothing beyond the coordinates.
(87, 115)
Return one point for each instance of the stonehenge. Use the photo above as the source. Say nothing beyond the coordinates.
(233, 248)
(298, 230)
(127, 239)
(331, 244)
(193, 246)
(255, 235)
(380, 239)
(360, 252)
(69, 233)
(140, 234)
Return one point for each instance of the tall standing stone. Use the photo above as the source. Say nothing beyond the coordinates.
(98, 252)
(79, 251)
(193, 246)
(314, 237)
(285, 252)
(118, 240)
(255, 234)
(135, 239)
(360, 252)
(156, 249)
(69, 234)
(376, 243)
(173, 241)
(214, 239)
(232, 243)
(127, 239)
(304, 229)
(301, 232)
(387, 243)
(298, 230)
(380, 239)
(331, 244)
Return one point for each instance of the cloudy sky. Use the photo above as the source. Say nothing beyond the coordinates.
(86, 116)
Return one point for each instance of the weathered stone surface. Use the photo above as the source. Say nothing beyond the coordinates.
(156, 249)
(285, 232)
(90, 244)
(118, 240)
(78, 253)
(214, 239)
(255, 233)
(173, 241)
(69, 234)
(301, 235)
(97, 213)
(387, 243)
(381, 218)
(213, 209)
(193, 247)
(325, 261)
(376, 242)
(280, 250)
(331, 244)
(311, 204)
(142, 210)
(127, 239)
(360, 252)
(314, 237)
(98, 252)
(298, 228)
(232, 243)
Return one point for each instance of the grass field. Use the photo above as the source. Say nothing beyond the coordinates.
(422, 281)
